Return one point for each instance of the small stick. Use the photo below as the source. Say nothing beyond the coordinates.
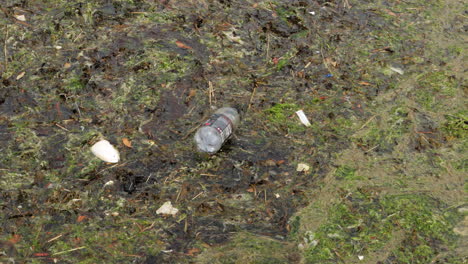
(113, 166)
(252, 96)
(151, 174)
(199, 123)
(195, 197)
(374, 147)
(54, 238)
(210, 91)
(62, 127)
(178, 195)
(5, 47)
(346, 4)
(209, 175)
(367, 122)
(66, 251)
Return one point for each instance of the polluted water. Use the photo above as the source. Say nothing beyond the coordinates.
(217, 129)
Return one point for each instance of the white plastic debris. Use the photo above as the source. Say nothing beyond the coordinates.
(303, 118)
(20, 17)
(312, 13)
(231, 37)
(105, 151)
(397, 70)
(302, 167)
(109, 183)
(360, 257)
(167, 209)
(21, 75)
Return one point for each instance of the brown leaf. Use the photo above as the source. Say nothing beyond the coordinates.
(182, 45)
(193, 251)
(365, 83)
(270, 162)
(330, 61)
(15, 239)
(390, 12)
(191, 94)
(81, 218)
(127, 142)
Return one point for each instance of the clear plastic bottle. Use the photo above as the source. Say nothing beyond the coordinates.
(216, 130)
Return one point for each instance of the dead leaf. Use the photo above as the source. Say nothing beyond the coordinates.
(365, 83)
(127, 142)
(191, 94)
(15, 239)
(270, 163)
(330, 61)
(20, 75)
(180, 44)
(389, 12)
(193, 251)
(66, 65)
(81, 218)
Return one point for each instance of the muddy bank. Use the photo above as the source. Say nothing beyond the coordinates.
(383, 90)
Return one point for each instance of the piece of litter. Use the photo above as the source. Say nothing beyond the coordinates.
(58, 47)
(167, 209)
(397, 70)
(231, 37)
(21, 75)
(360, 257)
(105, 151)
(20, 18)
(303, 118)
(109, 183)
(302, 167)
(312, 13)
(277, 195)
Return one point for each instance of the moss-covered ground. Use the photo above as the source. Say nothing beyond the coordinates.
(382, 83)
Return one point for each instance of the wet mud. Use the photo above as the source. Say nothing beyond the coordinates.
(149, 72)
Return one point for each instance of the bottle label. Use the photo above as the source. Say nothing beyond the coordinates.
(222, 124)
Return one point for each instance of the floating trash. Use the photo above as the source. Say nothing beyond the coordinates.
(109, 183)
(216, 130)
(20, 18)
(303, 118)
(397, 70)
(302, 167)
(105, 151)
(167, 209)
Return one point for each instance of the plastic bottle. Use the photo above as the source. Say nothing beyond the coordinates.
(216, 130)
